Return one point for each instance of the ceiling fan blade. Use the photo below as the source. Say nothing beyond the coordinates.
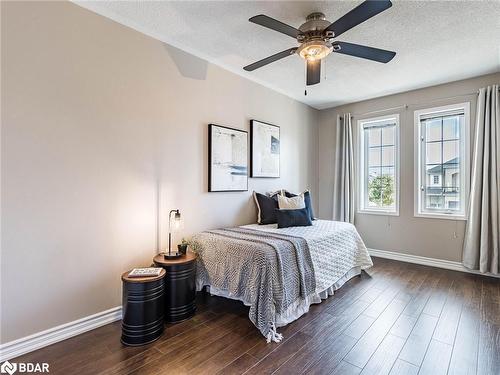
(361, 13)
(313, 72)
(275, 25)
(270, 59)
(357, 50)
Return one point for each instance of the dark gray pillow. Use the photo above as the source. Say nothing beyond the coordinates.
(293, 218)
(307, 201)
(266, 208)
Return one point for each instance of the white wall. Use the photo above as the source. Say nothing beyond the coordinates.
(406, 234)
(99, 124)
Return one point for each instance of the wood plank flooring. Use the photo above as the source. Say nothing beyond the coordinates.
(397, 318)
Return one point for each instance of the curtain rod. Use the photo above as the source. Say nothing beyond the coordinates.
(405, 106)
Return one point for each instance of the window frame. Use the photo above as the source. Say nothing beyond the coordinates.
(363, 167)
(464, 166)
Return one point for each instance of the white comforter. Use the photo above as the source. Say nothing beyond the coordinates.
(337, 251)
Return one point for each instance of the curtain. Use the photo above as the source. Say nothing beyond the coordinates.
(481, 243)
(343, 182)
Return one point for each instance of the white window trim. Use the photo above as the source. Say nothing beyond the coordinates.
(418, 159)
(361, 164)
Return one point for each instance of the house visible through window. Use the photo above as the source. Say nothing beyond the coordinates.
(379, 169)
(442, 161)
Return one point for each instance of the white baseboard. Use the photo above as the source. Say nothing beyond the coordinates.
(50, 336)
(432, 262)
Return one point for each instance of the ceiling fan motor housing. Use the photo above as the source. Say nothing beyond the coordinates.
(314, 28)
(314, 43)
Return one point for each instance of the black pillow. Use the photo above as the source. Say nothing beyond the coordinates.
(266, 208)
(293, 218)
(307, 201)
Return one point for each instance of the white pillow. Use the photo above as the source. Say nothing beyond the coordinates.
(292, 203)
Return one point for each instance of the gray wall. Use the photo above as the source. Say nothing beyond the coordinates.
(102, 127)
(404, 233)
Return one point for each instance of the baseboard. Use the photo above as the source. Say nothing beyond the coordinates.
(39, 340)
(432, 262)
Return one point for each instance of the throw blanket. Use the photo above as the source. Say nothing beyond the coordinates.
(335, 247)
(270, 272)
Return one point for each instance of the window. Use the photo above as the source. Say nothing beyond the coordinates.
(442, 161)
(379, 165)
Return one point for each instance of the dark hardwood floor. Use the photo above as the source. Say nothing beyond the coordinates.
(397, 318)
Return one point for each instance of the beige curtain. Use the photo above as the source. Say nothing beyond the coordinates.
(482, 235)
(343, 183)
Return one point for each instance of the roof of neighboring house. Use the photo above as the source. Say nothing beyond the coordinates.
(439, 191)
(452, 163)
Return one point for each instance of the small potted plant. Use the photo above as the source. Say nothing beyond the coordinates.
(182, 247)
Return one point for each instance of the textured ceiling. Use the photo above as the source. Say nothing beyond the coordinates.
(435, 41)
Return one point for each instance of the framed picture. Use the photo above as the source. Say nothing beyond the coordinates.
(227, 159)
(264, 149)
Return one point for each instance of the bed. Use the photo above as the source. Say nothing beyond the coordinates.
(279, 273)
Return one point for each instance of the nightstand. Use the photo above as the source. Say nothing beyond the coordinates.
(180, 286)
(143, 309)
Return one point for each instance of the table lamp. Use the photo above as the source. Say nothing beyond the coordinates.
(174, 224)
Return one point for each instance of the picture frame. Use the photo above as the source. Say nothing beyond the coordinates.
(227, 159)
(264, 150)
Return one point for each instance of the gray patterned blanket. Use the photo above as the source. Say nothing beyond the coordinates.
(279, 273)
(270, 272)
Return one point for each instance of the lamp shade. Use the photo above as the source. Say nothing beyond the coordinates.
(176, 222)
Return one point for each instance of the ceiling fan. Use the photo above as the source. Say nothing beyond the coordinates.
(316, 38)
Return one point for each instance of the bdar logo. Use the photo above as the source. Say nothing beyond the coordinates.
(8, 368)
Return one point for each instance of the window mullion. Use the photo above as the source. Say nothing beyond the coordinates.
(367, 170)
(381, 203)
(442, 165)
(423, 163)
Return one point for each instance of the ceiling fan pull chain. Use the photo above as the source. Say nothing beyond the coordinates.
(305, 86)
(324, 69)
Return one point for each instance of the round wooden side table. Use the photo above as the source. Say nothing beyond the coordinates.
(180, 286)
(143, 309)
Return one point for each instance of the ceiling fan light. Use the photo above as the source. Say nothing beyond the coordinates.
(314, 50)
